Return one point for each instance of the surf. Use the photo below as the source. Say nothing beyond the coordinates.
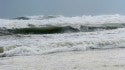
(52, 34)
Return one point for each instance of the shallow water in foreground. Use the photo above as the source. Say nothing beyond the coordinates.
(110, 59)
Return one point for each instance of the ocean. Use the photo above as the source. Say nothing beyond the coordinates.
(32, 36)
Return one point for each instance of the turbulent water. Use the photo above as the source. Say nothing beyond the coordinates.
(35, 35)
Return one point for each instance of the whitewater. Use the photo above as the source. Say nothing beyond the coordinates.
(59, 42)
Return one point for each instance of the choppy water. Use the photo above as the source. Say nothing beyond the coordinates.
(35, 35)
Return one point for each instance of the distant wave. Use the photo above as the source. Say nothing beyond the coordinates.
(41, 17)
(22, 18)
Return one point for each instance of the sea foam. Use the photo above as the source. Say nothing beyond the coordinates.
(75, 22)
(54, 43)
(113, 35)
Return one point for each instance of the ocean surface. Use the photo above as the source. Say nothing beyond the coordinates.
(39, 35)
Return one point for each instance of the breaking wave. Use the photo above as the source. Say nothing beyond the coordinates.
(37, 35)
(60, 24)
(58, 29)
(47, 44)
(60, 21)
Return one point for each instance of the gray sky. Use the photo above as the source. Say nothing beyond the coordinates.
(13, 8)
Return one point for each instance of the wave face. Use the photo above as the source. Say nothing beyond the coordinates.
(58, 29)
(60, 24)
(61, 34)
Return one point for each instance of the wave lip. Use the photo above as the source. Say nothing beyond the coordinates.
(32, 29)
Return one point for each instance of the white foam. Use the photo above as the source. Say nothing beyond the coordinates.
(64, 21)
(54, 43)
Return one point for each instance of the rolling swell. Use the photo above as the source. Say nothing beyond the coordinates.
(43, 30)
(59, 29)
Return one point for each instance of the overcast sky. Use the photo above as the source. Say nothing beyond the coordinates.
(13, 8)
